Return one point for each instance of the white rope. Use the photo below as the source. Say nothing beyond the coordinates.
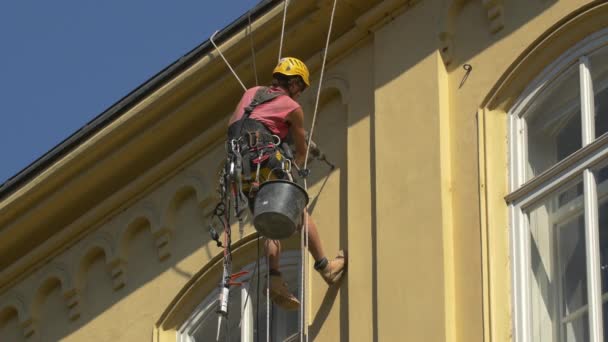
(304, 331)
(255, 68)
(267, 297)
(314, 116)
(303, 258)
(226, 61)
(285, 4)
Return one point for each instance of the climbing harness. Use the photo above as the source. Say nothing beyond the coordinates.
(255, 147)
(249, 143)
(228, 278)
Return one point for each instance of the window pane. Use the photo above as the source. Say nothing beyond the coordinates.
(557, 267)
(282, 323)
(599, 73)
(207, 330)
(554, 124)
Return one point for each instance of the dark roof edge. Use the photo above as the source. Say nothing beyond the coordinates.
(129, 101)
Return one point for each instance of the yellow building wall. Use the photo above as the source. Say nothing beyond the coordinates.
(407, 163)
(417, 197)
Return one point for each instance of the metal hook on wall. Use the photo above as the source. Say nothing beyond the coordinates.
(468, 68)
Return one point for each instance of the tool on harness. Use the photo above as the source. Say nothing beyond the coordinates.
(228, 280)
(215, 236)
(218, 213)
(250, 144)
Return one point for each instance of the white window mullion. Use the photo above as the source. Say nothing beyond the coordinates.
(525, 264)
(587, 103)
(594, 284)
(520, 271)
(517, 155)
(246, 315)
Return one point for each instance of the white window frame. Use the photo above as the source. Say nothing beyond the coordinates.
(290, 262)
(580, 165)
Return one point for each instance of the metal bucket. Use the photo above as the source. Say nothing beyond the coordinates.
(278, 208)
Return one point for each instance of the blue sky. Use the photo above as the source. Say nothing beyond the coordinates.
(63, 62)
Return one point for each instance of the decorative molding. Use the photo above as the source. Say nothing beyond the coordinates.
(182, 183)
(70, 294)
(146, 210)
(495, 12)
(72, 300)
(446, 47)
(193, 181)
(118, 269)
(105, 242)
(336, 81)
(162, 241)
(340, 83)
(16, 302)
(449, 13)
(143, 214)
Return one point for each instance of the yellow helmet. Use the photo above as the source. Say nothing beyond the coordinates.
(290, 66)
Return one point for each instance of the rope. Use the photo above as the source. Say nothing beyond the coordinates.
(257, 304)
(255, 69)
(304, 331)
(226, 61)
(285, 3)
(304, 260)
(314, 116)
(267, 299)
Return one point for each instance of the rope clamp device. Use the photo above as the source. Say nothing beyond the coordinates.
(286, 165)
(253, 138)
(234, 146)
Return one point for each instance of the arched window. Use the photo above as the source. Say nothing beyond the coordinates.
(559, 198)
(247, 308)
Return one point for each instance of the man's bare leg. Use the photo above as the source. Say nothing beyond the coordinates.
(273, 247)
(331, 271)
(279, 293)
(314, 240)
(273, 252)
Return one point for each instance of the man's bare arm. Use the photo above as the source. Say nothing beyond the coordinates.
(296, 120)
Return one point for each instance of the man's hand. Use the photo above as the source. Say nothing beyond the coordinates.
(314, 150)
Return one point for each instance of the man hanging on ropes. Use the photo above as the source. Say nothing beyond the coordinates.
(272, 112)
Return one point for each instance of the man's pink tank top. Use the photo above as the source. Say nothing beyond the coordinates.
(273, 114)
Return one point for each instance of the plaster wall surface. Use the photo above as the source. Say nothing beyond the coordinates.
(417, 197)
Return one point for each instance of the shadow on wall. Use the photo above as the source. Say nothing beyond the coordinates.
(135, 275)
(61, 308)
(458, 36)
(115, 276)
(329, 195)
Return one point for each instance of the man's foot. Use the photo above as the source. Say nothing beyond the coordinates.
(280, 294)
(332, 273)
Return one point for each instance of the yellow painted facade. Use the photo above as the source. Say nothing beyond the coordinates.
(110, 241)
